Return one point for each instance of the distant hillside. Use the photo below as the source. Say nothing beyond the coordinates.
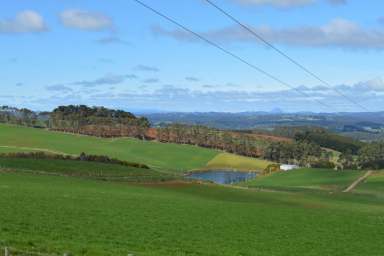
(365, 126)
(321, 137)
(110, 123)
(273, 141)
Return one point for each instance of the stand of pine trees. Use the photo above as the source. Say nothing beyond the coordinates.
(232, 142)
(98, 121)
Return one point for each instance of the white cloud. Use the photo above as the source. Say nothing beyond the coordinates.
(286, 3)
(337, 33)
(375, 85)
(192, 79)
(151, 80)
(85, 20)
(25, 22)
(109, 79)
(58, 88)
(277, 3)
(337, 2)
(146, 68)
(108, 40)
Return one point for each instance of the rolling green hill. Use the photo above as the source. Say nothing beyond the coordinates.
(165, 156)
(45, 211)
(158, 155)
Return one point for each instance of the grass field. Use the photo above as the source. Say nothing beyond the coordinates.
(163, 156)
(374, 185)
(159, 155)
(44, 209)
(53, 214)
(307, 179)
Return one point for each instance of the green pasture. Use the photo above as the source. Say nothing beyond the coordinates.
(164, 156)
(53, 215)
(158, 155)
(306, 179)
(374, 185)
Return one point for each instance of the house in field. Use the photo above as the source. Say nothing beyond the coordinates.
(288, 167)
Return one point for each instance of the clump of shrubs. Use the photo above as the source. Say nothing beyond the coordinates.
(82, 157)
(323, 164)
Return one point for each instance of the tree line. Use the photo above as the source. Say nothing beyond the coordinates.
(308, 150)
(82, 157)
(98, 121)
(369, 157)
(301, 153)
(232, 142)
(321, 137)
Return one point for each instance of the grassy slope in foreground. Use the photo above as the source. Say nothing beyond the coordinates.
(317, 179)
(60, 214)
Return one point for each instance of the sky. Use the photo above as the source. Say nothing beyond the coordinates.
(119, 54)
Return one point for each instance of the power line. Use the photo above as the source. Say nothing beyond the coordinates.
(229, 53)
(301, 66)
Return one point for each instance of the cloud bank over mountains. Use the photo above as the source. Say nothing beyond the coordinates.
(226, 97)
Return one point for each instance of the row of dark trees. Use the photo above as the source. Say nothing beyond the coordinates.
(321, 137)
(307, 150)
(370, 156)
(232, 142)
(98, 121)
(82, 157)
(300, 153)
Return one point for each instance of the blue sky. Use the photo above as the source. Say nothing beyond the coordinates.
(118, 54)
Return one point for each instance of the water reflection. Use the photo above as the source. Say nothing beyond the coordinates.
(223, 177)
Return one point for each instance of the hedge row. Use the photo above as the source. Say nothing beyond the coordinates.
(82, 157)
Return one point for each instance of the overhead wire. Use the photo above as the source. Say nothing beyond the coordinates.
(285, 55)
(233, 55)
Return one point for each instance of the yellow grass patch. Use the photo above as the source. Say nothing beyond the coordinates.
(231, 161)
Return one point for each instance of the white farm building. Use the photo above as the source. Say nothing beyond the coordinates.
(288, 167)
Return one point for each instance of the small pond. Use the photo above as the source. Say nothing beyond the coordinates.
(223, 176)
